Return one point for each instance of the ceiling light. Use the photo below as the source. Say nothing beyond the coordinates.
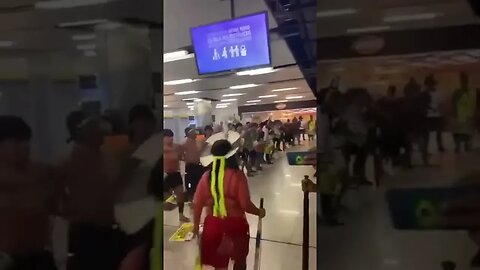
(83, 23)
(243, 86)
(191, 99)
(177, 82)
(6, 43)
(184, 93)
(280, 101)
(85, 47)
(165, 106)
(294, 97)
(284, 89)
(368, 29)
(90, 53)
(190, 103)
(336, 12)
(58, 4)
(229, 100)
(253, 101)
(410, 17)
(222, 105)
(258, 71)
(177, 55)
(83, 37)
(250, 104)
(233, 95)
(267, 96)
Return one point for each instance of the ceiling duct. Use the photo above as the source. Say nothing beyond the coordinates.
(16, 8)
(142, 22)
(210, 99)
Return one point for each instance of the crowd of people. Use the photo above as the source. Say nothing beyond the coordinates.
(390, 127)
(107, 170)
(84, 188)
(216, 170)
(387, 129)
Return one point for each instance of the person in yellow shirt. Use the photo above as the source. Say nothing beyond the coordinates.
(311, 128)
(464, 103)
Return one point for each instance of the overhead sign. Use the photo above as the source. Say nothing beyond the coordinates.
(241, 43)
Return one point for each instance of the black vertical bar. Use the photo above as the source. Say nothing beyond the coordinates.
(232, 8)
(306, 231)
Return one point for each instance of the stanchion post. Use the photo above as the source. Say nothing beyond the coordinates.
(306, 229)
(258, 241)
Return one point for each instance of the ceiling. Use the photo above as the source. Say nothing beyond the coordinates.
(371, 13)
(34, 30)
(214, 87)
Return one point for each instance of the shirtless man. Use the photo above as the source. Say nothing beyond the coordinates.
(172, 154)
(26, 201)
(88, 180)
(193, 169)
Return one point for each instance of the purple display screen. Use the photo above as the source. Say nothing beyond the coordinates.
(233, 45)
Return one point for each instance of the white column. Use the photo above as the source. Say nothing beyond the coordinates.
(40, 89)
(226, 115)
(203, 113)
(125, 76)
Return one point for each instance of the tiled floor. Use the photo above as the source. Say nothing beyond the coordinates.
(279, 185)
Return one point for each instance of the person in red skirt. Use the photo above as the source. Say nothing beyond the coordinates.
(223, 191)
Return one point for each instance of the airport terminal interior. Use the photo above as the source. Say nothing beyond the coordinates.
(386, 93)
(280, 93)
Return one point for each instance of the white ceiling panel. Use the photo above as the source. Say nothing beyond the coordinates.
(371, 13)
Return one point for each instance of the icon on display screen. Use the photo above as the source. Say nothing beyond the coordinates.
(243, 50)
(216, 55)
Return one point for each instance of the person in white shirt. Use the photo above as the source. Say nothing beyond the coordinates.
(434, 117)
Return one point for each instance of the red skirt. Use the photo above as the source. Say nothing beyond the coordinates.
(224, 240)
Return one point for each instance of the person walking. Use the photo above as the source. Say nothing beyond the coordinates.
(434, 117)
(463, 100)
(223, 190)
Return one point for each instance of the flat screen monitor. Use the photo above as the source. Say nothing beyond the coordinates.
(233, 45)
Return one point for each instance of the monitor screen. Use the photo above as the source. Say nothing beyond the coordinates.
(238, 44)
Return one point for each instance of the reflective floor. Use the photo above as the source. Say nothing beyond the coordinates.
(368, 241)
(279, 185)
